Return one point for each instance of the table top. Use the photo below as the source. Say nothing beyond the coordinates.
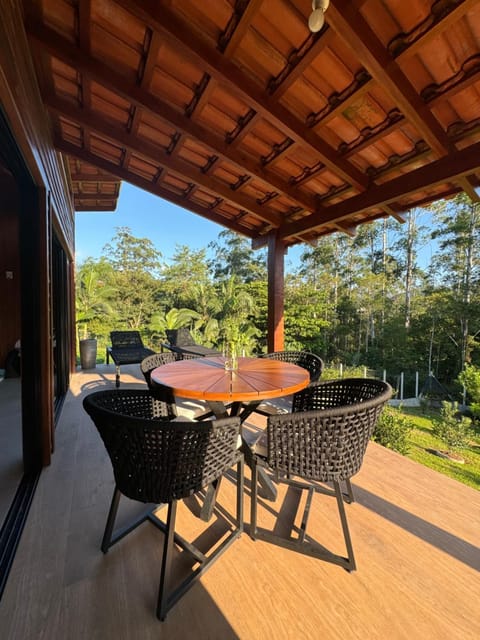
(255, 379)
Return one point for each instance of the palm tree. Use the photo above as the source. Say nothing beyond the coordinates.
(92, 298)
(237, 305)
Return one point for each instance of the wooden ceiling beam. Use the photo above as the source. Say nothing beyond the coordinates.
(469, 186)
(400, 216)
(150, 59)
(94, 207)
(450, 168)
(158, 156)
(455, 87)
(242, 27)
(62, 49)
(85, 43)
(146, 185)
(229, 75)
(77, 176)
(353, 29)
(81, 193)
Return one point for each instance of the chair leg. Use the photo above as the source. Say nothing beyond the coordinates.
(211, 494)
(112, 514)
(111, 537)
(253, 500)
(165, 572)
(167, 598)
(240, 489)
(350, 565)
(117, 375)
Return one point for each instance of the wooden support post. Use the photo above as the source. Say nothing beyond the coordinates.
(276, 251)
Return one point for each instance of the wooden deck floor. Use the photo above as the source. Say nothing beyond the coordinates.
(415, 534)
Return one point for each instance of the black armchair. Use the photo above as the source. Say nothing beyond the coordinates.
(159, 460)
(127, 348)
(323, 441)
(153, 361)
(309, 361)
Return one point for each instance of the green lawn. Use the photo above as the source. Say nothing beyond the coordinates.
(421, 439)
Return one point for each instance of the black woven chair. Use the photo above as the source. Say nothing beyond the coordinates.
(127, 348)
(323, 441)
(159, 460)
(155, 360)
(150, 363)
(309, 361)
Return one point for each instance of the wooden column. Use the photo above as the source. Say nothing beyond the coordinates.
(276, 251)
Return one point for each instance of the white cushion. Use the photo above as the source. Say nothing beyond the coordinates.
(271, 408)
(182, 418)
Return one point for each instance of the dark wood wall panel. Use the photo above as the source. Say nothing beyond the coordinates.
(9, 265)
(21, 101)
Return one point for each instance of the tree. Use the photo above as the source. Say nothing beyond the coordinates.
(236, 309)
(181, 278)
(136, 264)
(93, 295)
(306, 310)
(470, 379)
(233, 256)
(132, 255)
(458, 261)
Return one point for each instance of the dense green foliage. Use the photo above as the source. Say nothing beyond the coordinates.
(451, 428)
(393, 430)
(367, 301)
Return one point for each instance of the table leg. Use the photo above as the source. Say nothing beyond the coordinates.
(210, 499)
(268, 488)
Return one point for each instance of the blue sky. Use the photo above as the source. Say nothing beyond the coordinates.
(148, 216)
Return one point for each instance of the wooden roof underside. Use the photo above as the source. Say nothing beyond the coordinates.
(234, 110)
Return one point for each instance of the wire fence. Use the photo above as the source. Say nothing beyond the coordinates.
(405, 385)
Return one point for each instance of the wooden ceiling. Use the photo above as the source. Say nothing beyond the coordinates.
(234, 110)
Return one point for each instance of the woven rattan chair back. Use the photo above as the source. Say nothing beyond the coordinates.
(158, 460)
(309, 361)
(326, 436)
(150, 363)
(155, 459)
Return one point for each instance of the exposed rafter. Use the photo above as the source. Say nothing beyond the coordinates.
(146, 185)
(230, 75)
(453, 167)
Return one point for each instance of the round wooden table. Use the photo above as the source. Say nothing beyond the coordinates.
(234, 393)
(256, 379)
